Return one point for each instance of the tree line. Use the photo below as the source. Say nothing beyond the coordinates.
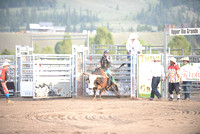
(14, 20)
(105, 37)
(27, 3)
(170, 12)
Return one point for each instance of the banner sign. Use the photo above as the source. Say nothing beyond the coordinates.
(145, 62)
(191, 72)
(184, 31)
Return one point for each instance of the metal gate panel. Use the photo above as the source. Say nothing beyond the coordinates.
(26, 89)
(24, 70)
(52, 76)
(25, 75)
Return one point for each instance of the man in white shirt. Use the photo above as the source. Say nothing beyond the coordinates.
(186, 84)
(133, 43)
(157, 73)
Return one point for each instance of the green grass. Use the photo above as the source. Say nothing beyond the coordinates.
(9, 40)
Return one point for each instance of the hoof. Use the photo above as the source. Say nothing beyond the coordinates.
(9, 101)
(100, 99)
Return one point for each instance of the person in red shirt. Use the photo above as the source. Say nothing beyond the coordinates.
(3, 80)
(174, 79)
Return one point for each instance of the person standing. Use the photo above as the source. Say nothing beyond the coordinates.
(132, 44)
(157, 73)
(4, 75)
(186, 68)
(174, 79)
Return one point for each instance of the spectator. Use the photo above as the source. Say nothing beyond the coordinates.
(186, 84)
(157, 73)
(132, 44)
(174, 79)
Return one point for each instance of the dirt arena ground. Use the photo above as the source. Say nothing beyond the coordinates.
(106, 116)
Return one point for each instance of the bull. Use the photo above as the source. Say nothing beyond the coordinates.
(98, 81)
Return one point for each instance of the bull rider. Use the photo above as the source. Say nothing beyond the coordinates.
(105, 63)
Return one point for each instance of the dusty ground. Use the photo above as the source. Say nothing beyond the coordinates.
(110, 115)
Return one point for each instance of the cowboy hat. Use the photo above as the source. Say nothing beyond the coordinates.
(133, 36)
(106, 51)
(173, 59)
(5, 64)
(185, 58)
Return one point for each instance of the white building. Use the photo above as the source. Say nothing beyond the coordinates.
(46, 27)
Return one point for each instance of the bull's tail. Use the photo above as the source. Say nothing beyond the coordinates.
(115, 90)
(119, 67)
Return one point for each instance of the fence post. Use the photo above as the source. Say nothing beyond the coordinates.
(133, 76)
(165, 94)
(74, 70)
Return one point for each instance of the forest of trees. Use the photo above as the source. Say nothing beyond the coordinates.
(26, 3)
(16, 16)
(170, 12)
(13, 19)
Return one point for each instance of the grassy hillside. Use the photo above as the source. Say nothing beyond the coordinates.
(9, 40)
(107, 9)
(118, 14)
(119, 19)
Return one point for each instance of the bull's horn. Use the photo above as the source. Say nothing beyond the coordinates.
(87, 74)
(100, 76)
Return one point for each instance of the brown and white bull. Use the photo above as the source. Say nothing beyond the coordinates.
(98, 81)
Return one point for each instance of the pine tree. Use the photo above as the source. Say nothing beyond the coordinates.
(47, 50)
(6, 52)
(180, 42)
(64, 47)
(103, 37)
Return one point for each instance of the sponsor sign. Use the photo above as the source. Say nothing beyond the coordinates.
(184, 31)
(145, 62)
(191, 72)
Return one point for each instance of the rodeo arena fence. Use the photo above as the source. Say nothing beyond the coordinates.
(134, 80)
(61, 75)
(42, 75)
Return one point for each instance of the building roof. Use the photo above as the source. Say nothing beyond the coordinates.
(34, 26)
(46, 26)
(39, 27)
(59, 28)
